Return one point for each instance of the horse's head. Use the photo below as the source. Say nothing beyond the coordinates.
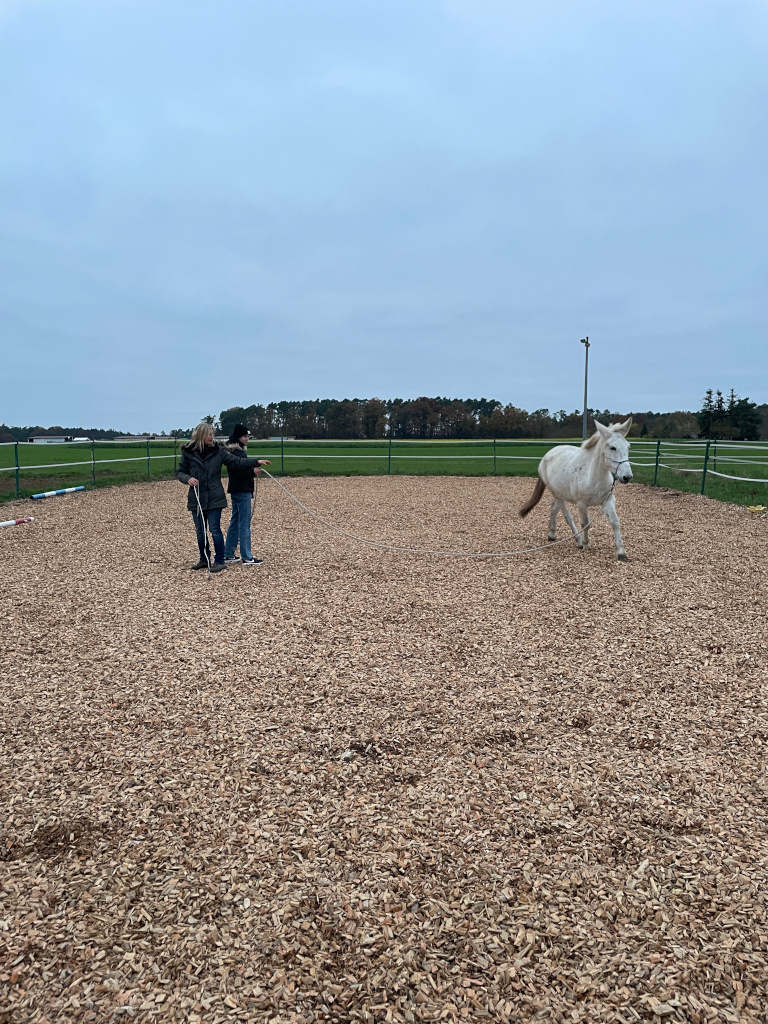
(614, 448)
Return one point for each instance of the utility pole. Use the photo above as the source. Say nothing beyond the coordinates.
(585, 343)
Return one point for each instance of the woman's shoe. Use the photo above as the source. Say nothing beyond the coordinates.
(202, 564)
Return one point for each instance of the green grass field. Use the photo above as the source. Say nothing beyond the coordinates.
(45, 467)
(412, 458)
(103, 464)
(681, 464)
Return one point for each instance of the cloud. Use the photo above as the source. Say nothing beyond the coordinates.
(390, 199)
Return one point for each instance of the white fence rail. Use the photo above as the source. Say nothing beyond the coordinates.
(694, 457)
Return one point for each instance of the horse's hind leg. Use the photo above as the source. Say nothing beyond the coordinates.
(569, 519)
(584, 517)
(552, 535)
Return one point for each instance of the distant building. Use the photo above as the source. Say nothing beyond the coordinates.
(137, 437)
(50, 439)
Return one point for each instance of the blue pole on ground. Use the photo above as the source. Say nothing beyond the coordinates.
(62, 490)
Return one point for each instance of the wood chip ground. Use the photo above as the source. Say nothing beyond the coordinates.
(353, 785)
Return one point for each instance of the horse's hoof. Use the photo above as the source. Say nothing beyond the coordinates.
(622, 558)
(551, 540)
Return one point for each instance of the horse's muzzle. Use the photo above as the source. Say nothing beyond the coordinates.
(625, 478)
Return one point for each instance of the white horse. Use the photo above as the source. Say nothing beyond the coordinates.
(586, 476)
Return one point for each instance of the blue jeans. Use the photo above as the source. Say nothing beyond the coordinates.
(240, 527)
(211, 518)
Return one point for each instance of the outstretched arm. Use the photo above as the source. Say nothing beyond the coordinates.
(239, 463)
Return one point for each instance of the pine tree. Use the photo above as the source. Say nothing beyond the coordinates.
(706, 414)
(745, 420)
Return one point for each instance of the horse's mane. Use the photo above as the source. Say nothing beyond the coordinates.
(592, 441)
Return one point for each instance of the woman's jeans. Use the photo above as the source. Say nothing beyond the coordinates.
(211, 518)
(240, 527)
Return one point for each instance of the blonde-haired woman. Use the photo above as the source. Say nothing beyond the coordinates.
(200, 470)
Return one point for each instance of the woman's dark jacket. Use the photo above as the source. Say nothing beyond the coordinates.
(240, 480)
(205, 466)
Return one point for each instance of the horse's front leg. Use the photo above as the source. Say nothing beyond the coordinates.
(610, 510)
(585, 524)
(552, 535)
(569, 519)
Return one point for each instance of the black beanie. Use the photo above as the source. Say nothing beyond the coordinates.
(237, 432)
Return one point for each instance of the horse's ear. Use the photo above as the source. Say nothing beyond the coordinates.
(623, 428)
(602, 429)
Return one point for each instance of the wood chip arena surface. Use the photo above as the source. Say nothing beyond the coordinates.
(353, 785)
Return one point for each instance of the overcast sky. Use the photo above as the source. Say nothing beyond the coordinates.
(212, 204)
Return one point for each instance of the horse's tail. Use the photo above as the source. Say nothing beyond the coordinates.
(535, 498)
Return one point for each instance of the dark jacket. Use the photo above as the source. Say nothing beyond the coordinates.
(206, 466)
(240, 480)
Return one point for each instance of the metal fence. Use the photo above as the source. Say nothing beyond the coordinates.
(28, 463)
(655, 460)
(677, 456)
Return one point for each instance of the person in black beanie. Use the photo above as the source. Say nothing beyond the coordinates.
(240, 490)
(200, 471)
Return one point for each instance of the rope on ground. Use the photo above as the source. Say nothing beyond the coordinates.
(422, 551)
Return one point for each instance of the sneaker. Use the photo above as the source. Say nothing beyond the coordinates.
(253, 561)
(232, 561)
(202, 564)
(218, 567)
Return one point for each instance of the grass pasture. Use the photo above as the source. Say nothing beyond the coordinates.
(295, 458)
(46, 467)
(681, 464)
(404, 458)
(100, 465)
(361, 786)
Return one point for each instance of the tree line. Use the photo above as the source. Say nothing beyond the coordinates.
(454, 418)
(424, 418)
(24, 433)
(733, 418)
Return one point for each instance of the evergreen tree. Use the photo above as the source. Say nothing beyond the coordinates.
(705, 415)
(745, 420)
(721, 419)
(721, 423)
